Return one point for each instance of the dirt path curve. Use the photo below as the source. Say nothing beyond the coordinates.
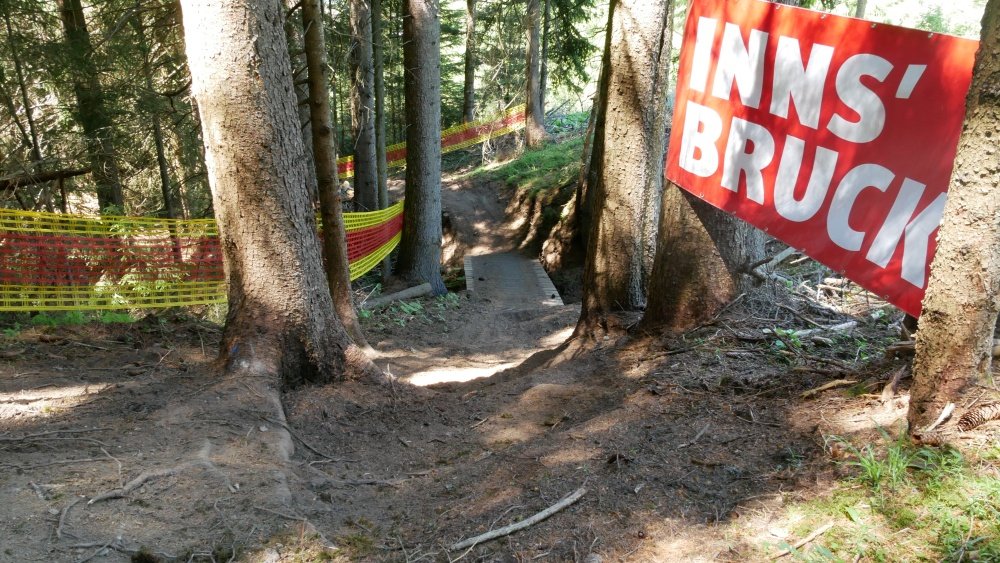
(512, 312)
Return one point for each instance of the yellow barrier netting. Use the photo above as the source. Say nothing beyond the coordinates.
(61, 262)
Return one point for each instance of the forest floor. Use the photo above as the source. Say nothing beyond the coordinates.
(701, 447)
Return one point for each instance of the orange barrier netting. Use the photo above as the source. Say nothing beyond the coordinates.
(56, 262)
(59, 262)
(454, 138)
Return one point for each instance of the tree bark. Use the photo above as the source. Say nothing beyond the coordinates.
(859, 9)
(534, 130)
(420, 250)
(963, 294)
(91, 112)
(543, 78)
(700, 265)
(363, 107)
(469, 98)
(628, 162)
(296, 50)
(378, 62)
(171, 204)
(281, 319)
(338, 275)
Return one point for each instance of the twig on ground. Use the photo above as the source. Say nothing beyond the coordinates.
(892, 387)
(507, 530)
(62, 518)
(945, 414)
(696, 437)
(817, 533)
(479, 423)
(157, 474)
(51, 433)
(827, 386)
(307, 444)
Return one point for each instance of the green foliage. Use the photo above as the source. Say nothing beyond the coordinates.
(904, 503)
(551, 166)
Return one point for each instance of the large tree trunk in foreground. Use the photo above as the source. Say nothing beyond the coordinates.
(338, 274)
(701, 261)
(281, 319)
(628, 162)
(420, 250)
(963, 294)
(534, 130)
(91, 113)
(363, 107)
(469, 93)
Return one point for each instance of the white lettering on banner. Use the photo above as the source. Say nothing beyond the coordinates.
(803, 83)
(788, 175)
(916, 238)
(750, 150)
(857, 180)
(856, 96)
(740, 63)
(702, 54)
(702, 128)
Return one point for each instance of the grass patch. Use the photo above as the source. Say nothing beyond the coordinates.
(905, 503)
(537, 170)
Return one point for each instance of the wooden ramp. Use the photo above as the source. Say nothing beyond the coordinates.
(510, 280)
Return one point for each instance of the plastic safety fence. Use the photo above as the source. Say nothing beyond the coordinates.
(454, 138)
(55, 262)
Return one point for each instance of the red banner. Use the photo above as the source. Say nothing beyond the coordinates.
(833, 134)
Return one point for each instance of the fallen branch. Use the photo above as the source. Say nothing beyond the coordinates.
(411, 293)
(62, 518)
(827, 386)
(945, 414)
(695, 439)
(507, 530)
(306, 444)
(819, 532)
(157, 474)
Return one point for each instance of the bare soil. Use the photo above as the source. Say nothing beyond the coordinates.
(688, 447)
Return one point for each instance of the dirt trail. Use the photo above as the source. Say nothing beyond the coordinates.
(688, 447)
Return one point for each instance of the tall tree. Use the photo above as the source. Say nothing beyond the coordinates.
(963, 294)
(91, 111)
(281, 319)
(534, 131)
(324, 142)
(378, 63)
(420, 250)
(627, 162)
(469, 92)
(363, 107)
(543, 73)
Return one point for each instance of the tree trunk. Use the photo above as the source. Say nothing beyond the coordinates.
(628, 161)
(281, 319)
(963, 294)
(534, 130)
(91, 113)
(469, 103)
(700, 262)
(859, 9)
(36, 149)
(338, 274)
(293, 34)
(420, 250)
(363, 107)
(378, 60)
(543, 79)
(170, 204)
